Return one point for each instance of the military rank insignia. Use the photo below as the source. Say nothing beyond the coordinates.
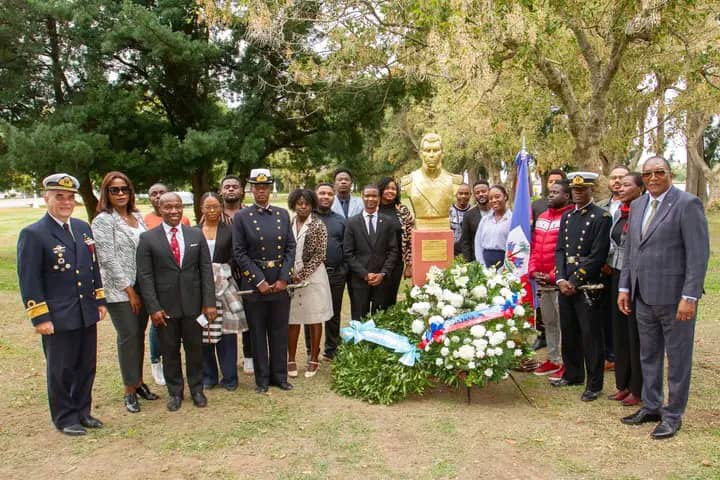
(90, 244)
(60, 262)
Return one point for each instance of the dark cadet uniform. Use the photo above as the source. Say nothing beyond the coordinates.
(60, 282)
(264, 249)
(582, 249)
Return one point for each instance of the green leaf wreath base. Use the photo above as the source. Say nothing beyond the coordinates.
(374, 373)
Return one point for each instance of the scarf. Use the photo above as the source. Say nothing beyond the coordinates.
(625, 213)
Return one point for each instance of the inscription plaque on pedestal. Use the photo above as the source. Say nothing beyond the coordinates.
(430, 247)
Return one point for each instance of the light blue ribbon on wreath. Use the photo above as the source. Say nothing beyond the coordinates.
(358, 332)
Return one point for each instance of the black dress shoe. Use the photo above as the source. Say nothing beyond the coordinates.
(261, 389)
(209, 386)
(174, 403)
(230, 387)
(145, 392)
(540, 342)
(640, 417)
(131, 403)
(589, 396)
(564, 383)
(75, 430)
(664, 430)
(199, 399)
(91, 422)
(284, 385)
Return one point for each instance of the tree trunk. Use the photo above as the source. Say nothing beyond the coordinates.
(56, 68)
(200, 185)
(694, 128)
(88, 196)
(695, 182)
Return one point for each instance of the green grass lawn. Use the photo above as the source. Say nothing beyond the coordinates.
(312, 433)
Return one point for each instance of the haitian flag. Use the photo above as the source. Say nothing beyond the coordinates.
(517, 250)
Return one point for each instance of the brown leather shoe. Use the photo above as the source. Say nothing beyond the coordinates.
(619, 395)
(631, 401)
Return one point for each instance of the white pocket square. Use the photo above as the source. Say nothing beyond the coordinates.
(194, 244)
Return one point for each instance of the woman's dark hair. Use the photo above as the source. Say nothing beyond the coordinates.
(210, 194)
(383, 184)
(501, 188)
(104, 202)
(302, 193)
(557, 171)
(637, 178)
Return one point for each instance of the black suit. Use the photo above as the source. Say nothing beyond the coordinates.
(182, 292)
(364, 256)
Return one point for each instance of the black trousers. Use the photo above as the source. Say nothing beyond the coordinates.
(582, 341)
(332, 327)
(365, 299)
(268, 323)
(130, 340)
(247, 344)
(187, 331)
(225, 353)
(628, 371)
(391, 285)
(70, 358)
(606, 304)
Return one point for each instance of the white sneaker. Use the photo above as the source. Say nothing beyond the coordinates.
(157, 373)
(248, 366)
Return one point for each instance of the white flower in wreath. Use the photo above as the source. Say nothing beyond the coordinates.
(449, 366)
(418, 326)
(510, 344)
(421, 308)
(517, 352)
(523, 293)
(433, 274)
(455, 339)
(434, 290)
(448, 311)
(481, 306)
(498, 351)
(480, 353)
(477, 331)
(499, 327)
(440, 305)
(462, 281)
(519, 311)
(510, 323)
(488, 372)
(472, 365)
(526, 325)
(436, 319)
(497, 338)
(506, 292)
(513, 330)
(480, 343)
(490, 352)
(427, 347)
(466, 352)
(467, 340)
(479, 292)
(439, 362)
(446, 342)
(444, 351)
(498, 300)
(415, 292)
(463, 292)
(457, 300)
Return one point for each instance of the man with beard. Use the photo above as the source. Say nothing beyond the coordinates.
(334, 264)
(233, 194)
(457, 213)
(345, 204)
(472, 218)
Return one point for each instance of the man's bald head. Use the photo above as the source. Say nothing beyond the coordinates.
(171, 208)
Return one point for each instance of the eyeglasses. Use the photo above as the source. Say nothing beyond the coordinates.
(657, 173)
(119, 190)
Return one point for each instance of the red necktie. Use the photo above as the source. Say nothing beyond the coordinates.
(174, 245)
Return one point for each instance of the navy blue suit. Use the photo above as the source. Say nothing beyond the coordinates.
(60, 282)
(264, 249)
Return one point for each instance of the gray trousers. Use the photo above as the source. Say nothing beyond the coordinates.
(130, 330)
(660, 332)
(551, 319)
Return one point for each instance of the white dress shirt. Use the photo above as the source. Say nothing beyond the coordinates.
(613, 207)
(366, 216)
(492, 234)
(178, 236)
(61, 223)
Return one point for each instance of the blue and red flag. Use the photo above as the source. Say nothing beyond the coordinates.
(517, 251)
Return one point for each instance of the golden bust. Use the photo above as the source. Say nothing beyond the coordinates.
(431, 188)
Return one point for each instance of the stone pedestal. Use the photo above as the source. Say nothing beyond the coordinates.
(430, 247)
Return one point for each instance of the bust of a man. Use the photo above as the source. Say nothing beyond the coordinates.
(431, 188)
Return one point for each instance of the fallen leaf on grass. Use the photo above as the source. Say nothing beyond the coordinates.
(706, 463)
(510, 442)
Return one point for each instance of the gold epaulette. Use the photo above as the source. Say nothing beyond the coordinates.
(35, 309)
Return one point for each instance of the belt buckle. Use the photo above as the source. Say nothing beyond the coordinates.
(270, 264)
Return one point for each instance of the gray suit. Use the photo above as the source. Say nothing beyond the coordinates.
(182, 292)
(661, 267)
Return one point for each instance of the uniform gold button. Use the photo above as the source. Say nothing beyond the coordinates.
(279, 237)
(262, 248)
(77, 272)
(79, 284)
(279, 247)
(81, 295)
(262, 238)
(257, 228)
